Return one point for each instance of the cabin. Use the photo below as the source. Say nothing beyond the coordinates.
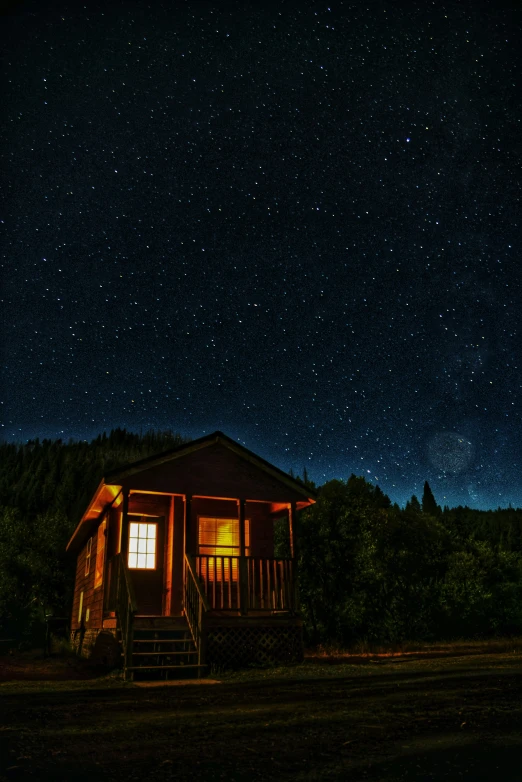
(187, 560)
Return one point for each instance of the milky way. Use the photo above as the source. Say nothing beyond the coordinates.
(295, 222)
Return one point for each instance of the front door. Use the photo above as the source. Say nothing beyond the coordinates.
(145, 561)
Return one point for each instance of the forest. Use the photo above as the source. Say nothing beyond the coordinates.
(369, 571)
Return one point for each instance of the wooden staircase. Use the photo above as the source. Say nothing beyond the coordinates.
(162, 648)
(158, 647)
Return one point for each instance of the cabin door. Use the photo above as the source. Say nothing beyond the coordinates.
(145, 561)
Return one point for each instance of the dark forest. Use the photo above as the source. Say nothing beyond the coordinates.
(369, 571)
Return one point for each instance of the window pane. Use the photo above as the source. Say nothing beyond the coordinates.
(142, 545)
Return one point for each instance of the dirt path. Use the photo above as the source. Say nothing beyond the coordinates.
(454, 718)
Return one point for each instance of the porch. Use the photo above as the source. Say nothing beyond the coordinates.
(236, 611)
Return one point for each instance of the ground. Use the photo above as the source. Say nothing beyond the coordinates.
(451, 714)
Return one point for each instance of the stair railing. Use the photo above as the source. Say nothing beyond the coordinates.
(126, 608)
(196, 605)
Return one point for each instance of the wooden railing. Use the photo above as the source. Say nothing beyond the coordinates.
(247, 583)
(270, 584)
(126, 607)
(196, 604)
(219, 577)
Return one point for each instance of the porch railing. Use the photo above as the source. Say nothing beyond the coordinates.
(126, 608)
(196, 605)
(270, 584)
(247, 583)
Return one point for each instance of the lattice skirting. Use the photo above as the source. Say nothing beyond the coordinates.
(236, 647)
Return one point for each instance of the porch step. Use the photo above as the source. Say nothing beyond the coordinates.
(163, 640)
(167, 653)
(161, 623)
(163, 647)
(165, 667)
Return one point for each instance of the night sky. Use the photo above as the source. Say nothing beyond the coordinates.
(295, 222)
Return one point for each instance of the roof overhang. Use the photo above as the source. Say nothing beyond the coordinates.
(105, 495)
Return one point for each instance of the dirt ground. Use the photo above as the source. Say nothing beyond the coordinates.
(433, 716)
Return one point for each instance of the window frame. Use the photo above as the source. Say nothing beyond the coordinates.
(88, 554)
(202, 517)
(141, 522)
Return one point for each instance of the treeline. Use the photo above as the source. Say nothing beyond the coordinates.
(372, 571)
(369, 570)
(45, 486)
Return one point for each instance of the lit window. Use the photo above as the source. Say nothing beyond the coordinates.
(142, 545)
(100, 555)
(88, 557)
(220, 538)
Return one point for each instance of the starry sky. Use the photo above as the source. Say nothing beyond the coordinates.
(295, 222)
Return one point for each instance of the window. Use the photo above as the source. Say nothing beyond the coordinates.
(80, 608)
(142, 545)
(220, 538)
(100, 555)
(88, 557)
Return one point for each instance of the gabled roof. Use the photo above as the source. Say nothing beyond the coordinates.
(203, 442)
(111, 484)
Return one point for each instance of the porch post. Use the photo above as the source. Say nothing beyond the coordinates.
(187, 514)
(124, 538)
(188, 520)
(243, 565)
(291, 529)
(292, 517)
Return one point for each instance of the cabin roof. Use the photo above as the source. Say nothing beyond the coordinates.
(110, 486)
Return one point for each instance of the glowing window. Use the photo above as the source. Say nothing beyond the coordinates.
(142, 545)
(220, 538)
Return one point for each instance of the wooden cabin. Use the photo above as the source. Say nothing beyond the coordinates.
(187, 560)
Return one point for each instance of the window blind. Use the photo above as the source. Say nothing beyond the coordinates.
(221, 536)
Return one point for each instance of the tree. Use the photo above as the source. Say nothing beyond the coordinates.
(428, 501)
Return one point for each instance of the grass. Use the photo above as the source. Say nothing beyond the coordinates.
(478, 646)
(437, 713)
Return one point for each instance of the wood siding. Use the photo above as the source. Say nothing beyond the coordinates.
(92, 598)
(261, 529)
(215, 471)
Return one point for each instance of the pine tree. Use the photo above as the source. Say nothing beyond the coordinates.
(413, 505)
(428, 501)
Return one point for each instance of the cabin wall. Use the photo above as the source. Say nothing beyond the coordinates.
(84, 631)
(151, 504)
(214, 471)
(261, 529)
(114, 522)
